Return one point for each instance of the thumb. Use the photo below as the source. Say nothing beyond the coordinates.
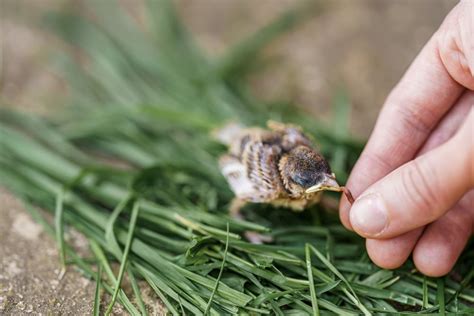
(420, 191)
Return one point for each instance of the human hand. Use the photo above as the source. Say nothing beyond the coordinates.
(414, 179)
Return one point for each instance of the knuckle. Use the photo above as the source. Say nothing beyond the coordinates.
(461, 221)
(416, 118)
(456, 49)
(420, 190)
(380, 161)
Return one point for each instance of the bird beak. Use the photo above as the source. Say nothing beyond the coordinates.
(328, 184)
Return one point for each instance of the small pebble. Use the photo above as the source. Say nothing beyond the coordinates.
(21, 305)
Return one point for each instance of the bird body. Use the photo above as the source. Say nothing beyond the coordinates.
(279, 165)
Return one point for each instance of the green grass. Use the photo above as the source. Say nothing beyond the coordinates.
(137, 128)
(123, 261)
(96, 308)
(220, 272)
(309, 267)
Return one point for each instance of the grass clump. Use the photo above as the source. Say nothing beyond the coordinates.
(135, 136)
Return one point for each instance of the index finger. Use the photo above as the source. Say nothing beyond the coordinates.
(414, 107)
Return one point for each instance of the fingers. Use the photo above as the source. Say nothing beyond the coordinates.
(418, 192)
(392, 253)
(445, 129)
(412, 110)
(439, 247)
(443, 241)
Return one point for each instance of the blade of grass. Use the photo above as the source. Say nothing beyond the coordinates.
(183, 313)
(97, 250)
(440, 297)
(109, 230)
(59, 227)
(425, 293)
(96, 309)
(123, 264)
(352, 296)
(136, 291)
(220, 273)
(156, 284)
(314, 300)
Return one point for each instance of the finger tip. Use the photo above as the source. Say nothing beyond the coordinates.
(433, 261)
(392, 253)
(442, 242)
(381, 253)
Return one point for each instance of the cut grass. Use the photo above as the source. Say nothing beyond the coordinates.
(123, 261)
(96, 308)
(148, 101)
(220, 272)
(312, 290)
(59, 227)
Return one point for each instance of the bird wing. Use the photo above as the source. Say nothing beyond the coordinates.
(261, 165)
(255, 176)
(291, 135)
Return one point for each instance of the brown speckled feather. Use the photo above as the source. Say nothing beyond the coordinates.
(261, 164)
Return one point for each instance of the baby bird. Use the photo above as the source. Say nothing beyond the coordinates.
(278, 165)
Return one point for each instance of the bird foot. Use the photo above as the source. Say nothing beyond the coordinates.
(257, 238)
(253, 237)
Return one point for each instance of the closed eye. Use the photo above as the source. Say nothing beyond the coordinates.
(306, 179)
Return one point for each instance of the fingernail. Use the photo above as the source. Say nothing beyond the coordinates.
(369, 215)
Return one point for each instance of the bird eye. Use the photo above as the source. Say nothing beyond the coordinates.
(306, 179)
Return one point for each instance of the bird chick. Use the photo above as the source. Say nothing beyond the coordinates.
(278, 165)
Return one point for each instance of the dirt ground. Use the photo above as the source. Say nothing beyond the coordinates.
(361, 46)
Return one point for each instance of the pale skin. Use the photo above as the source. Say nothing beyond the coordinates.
(414, 181)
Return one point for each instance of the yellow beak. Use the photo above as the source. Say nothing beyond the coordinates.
(329, 184)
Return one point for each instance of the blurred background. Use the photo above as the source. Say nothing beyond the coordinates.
(362, 47)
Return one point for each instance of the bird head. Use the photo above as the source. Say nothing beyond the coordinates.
(305, 172)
